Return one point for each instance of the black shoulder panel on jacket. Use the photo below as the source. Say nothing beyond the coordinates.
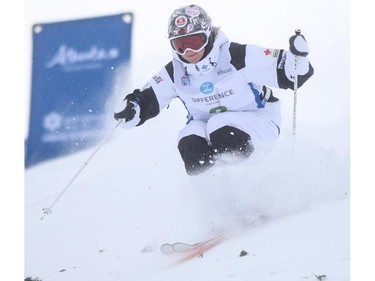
(237, 53)
(169, 68)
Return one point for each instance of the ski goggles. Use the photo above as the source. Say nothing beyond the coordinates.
(195, 42)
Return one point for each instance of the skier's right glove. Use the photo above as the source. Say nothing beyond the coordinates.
(130, 114)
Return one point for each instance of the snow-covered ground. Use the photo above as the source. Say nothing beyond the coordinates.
(111, 223)
(135, 195)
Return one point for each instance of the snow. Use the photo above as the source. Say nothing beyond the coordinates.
(111, 223)
(134, 195)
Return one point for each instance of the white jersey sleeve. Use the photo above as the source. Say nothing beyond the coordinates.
(261, 65)
(162, 86)
(266, 66)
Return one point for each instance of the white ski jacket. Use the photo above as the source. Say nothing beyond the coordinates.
(232, 77)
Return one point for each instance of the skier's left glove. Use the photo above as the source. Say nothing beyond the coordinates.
(130, 114)
(298, 45)
(296, 61)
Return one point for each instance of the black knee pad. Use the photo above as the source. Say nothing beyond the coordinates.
(231, 140)
(196, 153)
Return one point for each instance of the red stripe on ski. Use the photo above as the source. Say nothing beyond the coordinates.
(200, 249)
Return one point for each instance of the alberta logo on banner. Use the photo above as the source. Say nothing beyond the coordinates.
(73, 72)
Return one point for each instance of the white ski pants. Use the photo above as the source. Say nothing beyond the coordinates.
(262, 125)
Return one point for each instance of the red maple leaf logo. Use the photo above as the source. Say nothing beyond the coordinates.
(267, 52)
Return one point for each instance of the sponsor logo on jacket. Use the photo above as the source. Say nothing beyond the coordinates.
(223, 71)
(207, 88)
(215, 97)
(157, 79)
(274, 53)
(282, 62)
(185, 80)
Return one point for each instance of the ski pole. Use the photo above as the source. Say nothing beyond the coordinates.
(48, 211)
(298, 32)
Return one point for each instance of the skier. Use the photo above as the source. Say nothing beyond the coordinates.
(223, 85)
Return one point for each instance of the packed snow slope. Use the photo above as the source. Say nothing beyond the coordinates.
(287, 206)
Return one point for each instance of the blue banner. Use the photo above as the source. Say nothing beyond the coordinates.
(73, 70)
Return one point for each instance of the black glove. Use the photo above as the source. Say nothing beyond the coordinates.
(131, 112)
(128, 113)
(298, 45)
